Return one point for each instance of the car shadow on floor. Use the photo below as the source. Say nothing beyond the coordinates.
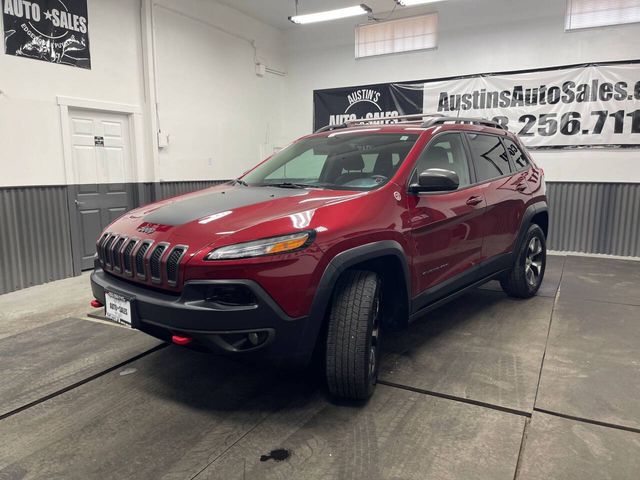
(484, 346)
(478, 324)
(459, 315)
(210, 382)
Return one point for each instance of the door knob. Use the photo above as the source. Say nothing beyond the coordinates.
(78, 203)
(474, 200)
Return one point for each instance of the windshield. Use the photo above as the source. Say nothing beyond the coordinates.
(342, 160)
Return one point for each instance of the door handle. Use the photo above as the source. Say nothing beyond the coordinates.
(78, 203)
(521, 187)
(474, 200)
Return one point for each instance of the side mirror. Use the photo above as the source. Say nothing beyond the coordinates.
(436, 180)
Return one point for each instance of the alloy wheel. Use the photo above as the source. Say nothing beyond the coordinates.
(533, 261)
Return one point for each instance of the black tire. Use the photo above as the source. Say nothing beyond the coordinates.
(525, 277)
(353, 336)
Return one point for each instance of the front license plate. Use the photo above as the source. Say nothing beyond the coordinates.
(117, 308)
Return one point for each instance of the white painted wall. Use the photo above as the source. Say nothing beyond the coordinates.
(204, 70)
(475, 37)
(220, 116)
(31, 151)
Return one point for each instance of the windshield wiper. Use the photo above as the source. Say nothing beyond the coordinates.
(290, 185)
(241, 182)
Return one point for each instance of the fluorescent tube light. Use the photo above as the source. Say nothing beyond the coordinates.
(411, 3)
(331, 14)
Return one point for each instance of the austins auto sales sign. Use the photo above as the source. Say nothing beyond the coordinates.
(55, 31)
(582, 106)
(564, 107)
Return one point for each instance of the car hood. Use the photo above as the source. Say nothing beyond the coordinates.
(229, 213)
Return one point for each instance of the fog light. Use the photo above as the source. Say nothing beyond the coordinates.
(253, 338)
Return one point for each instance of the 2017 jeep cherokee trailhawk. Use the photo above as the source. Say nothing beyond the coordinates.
(325, 243)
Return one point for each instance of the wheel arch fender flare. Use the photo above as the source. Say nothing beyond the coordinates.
(343, 261)
(531, 211)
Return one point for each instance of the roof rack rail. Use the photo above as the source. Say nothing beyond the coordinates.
(418, 118)
(440, 120)
(425, 119)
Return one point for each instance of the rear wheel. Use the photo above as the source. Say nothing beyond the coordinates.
(353, 335)
(525, 277)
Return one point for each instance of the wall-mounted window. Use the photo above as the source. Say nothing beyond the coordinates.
(397, 36)
(600, 13)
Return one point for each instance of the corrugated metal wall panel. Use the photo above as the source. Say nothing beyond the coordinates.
(171, 189)
(595, 218)
(35, 245)
(35, 242)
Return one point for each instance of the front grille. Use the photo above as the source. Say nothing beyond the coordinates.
(115, 254)
(172, 264)
(140, 260)
(123, 255)
(127, 261)
(154, 263)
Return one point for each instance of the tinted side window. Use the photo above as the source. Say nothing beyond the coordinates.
(517, 156)
(490, 157)
(446, 151)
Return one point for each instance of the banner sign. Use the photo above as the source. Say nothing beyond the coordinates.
(54, 31)
(586, 106)
(338, 105)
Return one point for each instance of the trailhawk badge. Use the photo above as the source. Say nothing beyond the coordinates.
(53, 31)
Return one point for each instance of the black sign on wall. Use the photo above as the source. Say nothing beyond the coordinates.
(55, 31)
(337, 105)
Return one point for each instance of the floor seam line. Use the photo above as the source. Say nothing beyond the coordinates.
(546, 342)
(232, 445)
(588, 420)
(84, 381)
(468, 401)
(527, 422)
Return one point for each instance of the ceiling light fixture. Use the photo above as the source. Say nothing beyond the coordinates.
(331, 14)
(412, 3)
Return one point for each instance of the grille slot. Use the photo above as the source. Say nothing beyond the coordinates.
(173, 263)
(127, 259)
(140, 260)
(107, 252)
(154, 262)
(115, 254)
(100, 247)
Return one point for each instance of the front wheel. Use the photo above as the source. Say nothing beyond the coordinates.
(353, 336)
(525, 277)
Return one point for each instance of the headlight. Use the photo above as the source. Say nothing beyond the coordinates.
(266, 246)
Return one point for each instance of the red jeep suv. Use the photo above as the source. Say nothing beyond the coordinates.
(344, 232)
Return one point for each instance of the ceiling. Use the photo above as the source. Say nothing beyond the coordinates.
(275, 12)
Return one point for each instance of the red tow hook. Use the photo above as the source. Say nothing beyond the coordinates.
(96, 303)
(181, 340)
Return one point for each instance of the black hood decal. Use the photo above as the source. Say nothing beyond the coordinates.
(186, 210)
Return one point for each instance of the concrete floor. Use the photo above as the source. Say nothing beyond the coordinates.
(487, 387)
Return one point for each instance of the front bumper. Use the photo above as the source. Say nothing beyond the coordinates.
(214, 327)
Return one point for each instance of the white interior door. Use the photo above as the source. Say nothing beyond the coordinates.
(103, 172)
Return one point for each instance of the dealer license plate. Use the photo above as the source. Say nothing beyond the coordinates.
(117, 308)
